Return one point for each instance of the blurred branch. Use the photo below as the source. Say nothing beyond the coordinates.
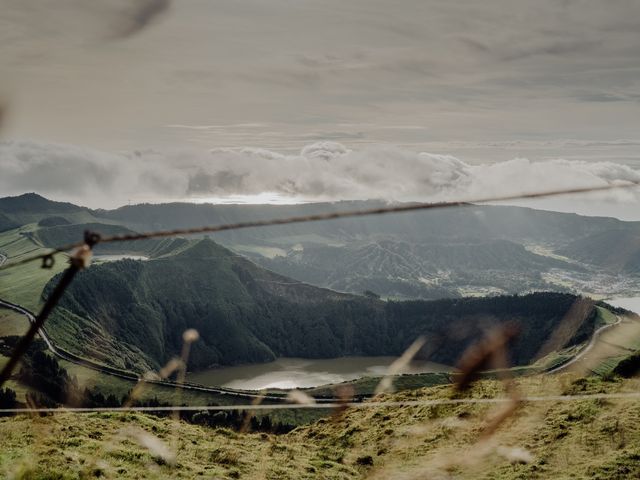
(145, 12)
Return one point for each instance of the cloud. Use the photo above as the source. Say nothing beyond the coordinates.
(321, 171)
(83, 175)
(57, 169)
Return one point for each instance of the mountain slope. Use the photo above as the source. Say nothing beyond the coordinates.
(132, 314)
(478, 222)
(34, 203)
(475, 221)
(471, 250)
(616, 250)
(422, 270)
(7, 224)
(71, 233)
(32, 207)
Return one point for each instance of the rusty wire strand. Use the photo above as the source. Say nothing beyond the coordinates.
(411, 207)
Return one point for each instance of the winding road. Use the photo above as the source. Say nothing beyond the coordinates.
(73, 358)
(588, 348)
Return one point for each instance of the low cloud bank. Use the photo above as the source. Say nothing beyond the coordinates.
(321, 171)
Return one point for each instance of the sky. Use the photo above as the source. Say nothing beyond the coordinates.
(152, 100)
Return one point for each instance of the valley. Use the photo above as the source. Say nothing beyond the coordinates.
(262, 332)
(475, 250)
(127, 311)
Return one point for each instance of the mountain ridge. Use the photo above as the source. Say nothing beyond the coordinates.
(472, 250)
(134, 312)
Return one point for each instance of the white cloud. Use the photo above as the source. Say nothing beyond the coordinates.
(321, 171)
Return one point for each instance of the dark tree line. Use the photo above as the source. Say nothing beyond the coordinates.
(52, 386)
(245, 314)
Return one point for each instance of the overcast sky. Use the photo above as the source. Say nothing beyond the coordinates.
(475, 82)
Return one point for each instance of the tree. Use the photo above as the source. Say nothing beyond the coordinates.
(7, 398)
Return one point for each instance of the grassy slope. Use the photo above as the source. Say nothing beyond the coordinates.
(66, 234)
(616, 344)
(24, 284)
(604, 317)
(585, 439)
(12, 323)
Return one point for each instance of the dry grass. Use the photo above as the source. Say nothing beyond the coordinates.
(583, 439)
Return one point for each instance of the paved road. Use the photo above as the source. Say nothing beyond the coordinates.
(73, 358)
(588, 348)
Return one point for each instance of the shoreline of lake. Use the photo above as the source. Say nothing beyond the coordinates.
(288, 373)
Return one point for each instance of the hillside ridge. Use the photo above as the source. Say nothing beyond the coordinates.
(133, 312)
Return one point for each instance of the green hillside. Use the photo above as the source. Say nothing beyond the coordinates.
(616, 250)
(132, 314)
(31, 207)
(72, 233)
(417, 270)
(7, 224)
(24, 284)
(36, 204)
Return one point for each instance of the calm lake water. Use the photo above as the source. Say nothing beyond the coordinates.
(302, 372)
(630, 303)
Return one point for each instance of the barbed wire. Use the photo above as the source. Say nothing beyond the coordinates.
(333, 406)
(410, 207)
